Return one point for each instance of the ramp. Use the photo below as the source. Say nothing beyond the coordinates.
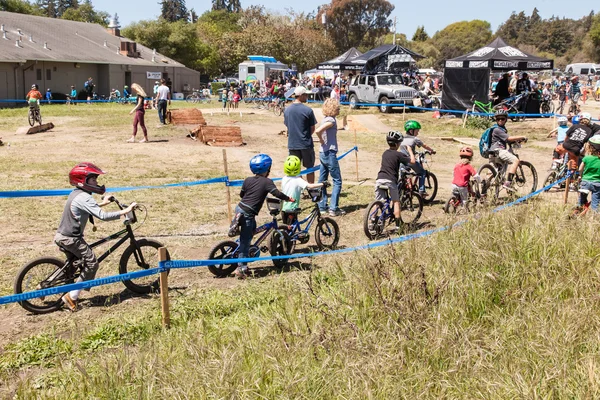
(40, 128)
(186, 116)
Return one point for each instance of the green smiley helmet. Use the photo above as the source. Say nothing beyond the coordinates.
(411, 124)
(292, 166)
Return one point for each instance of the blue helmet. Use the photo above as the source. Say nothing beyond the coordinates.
(260, 164)
(575, 120)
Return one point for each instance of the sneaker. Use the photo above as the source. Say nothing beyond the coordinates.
(143, 140)
(337, 213)
(70, 303)
(132, 140)
(241, 273)
(508, 186)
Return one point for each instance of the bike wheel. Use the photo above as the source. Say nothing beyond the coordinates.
(550, 178)
(327, 233)
(411, 207)
(136, 260)
(34, 276)
(452, 205)
(525, 180)
(277, 111)
(190, 98)
(373, 221)
(431, 185)
(279, 245)
(39, 117)
(515, 117)
(489, 181)
(31, 118)
(224, 250)
(545, 109)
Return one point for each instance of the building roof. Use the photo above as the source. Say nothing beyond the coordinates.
(68, 41)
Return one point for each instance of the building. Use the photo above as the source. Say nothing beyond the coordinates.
(56, 54)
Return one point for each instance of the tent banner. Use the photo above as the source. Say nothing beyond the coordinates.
(539, 65)
(506, 64)
(479, 64)
(454, 64)
(460, 84)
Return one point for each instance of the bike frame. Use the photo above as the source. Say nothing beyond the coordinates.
(297, 225)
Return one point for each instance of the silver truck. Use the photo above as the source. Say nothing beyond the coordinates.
(384, 89)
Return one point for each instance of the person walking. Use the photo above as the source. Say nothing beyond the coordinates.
(139, 113)
(163, 95)
(89, 89)
(300, 122)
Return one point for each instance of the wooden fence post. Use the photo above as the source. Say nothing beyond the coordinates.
(164, 290)
(356, 155)
(227, 193)
(567, 185)
(403, 112)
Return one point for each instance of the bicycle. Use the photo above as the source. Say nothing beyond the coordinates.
(547, 106)
(230, 249)
(494, 175)
(482, 108)
(574, 108)
(47, 272)
(379, 215)
(431, 182)
(198, 97)
(34, 115)
(279, 107)
(559, 170)
(476, 198)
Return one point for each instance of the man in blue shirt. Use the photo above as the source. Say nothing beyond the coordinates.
(300, 122)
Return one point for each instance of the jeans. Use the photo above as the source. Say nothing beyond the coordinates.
(421, 173)
(162, 110)
(594, 188)
(330, 165)
(247, 225)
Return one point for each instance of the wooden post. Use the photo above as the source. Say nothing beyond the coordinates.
(465, 116)
(567, 185)
(404, 112)
(164, 290)
(356, 155)
(227, 193)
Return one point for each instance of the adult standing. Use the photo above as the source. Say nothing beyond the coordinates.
(327, 134)
(502, 88)
(154, 91)
(523, 86)
(300, 122)
(89, 89)
(139, 113)
(163, 95)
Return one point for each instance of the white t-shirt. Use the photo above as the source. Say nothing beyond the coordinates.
(292, 186)
(163, 92)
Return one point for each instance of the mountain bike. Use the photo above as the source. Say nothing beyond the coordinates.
(34, 115)
(279, 107)
(277, 245)
(431, 182)
(559, 171)
(476, 199)
(482, 108)
(494, 175)
(574, 108)
(379, 215)
(47, 272)
(547, 106)
(198, 96)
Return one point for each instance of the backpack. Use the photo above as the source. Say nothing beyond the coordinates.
(485, 142)
(86, 84)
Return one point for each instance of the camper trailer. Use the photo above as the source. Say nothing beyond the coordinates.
(583, 69)
(259, 68)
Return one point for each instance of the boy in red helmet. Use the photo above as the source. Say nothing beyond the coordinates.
(463, 171)
(80, 208)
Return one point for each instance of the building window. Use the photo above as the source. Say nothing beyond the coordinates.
(251, 70)
(48, 74)
(38, 74)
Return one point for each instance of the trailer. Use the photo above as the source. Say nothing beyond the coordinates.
(259, 68)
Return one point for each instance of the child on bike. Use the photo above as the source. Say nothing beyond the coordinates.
(33, 97)
(409, 144)
(389, 172)
(292, 185)
(254, 191)
(576, 137)
(590, 173)
(560, 132)
(463, 171)
(501, 143)
(80, 208)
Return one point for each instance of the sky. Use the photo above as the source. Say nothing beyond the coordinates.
(435, 16)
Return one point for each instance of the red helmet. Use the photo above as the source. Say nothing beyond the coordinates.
(79, 175)
(466, 152)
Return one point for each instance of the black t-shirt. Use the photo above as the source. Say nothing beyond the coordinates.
(523, 85)
(390, 164)
(577, 135)
(595, 129)
(255, 190)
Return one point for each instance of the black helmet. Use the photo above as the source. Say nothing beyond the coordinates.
(394, 137)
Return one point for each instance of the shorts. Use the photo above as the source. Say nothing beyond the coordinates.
(507, 157)
(307, 156)
(462, 191)
(381, 193)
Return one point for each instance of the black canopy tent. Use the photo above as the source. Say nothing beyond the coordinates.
(469, 74)
(343, 62)
(386, 58)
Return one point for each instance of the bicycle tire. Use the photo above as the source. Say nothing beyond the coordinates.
(224, 250)
(277, 111)
(521, 179)
(373, 221)
(327, 228)
(515, 117)
(149, 249)
(431, 183)
(22, 285)
(490, 183)
(190, 98)
(550, 178)
(411, 202)
(452, 205)
(39, 117)
(545, 109)
(279, 246)
(31, 118)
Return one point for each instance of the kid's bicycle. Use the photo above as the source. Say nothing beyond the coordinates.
(34, 115)
(282, 239)
(47, 272)
(583, 209)
(494, 173)
(431, 182)
(475, 200)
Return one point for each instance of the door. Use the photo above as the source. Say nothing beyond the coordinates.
(128, 78)
(4, 85)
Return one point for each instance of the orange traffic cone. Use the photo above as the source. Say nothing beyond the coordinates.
(436, 114)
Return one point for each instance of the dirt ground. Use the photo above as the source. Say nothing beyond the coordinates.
(191, 220)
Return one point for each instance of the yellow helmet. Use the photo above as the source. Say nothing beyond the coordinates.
(292, 166)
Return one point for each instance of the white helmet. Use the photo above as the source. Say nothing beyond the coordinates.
(562, 120)
(585, 115)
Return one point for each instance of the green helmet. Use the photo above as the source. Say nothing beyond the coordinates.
(292, 166)
(411, 124)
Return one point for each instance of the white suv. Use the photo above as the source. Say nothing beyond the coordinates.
(384, 89)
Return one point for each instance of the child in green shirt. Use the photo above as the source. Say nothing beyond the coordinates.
(590, 173)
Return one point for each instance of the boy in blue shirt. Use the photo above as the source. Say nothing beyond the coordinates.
(560, 132)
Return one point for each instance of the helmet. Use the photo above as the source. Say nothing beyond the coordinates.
(585, 115)
(126, 87)
(291, 166)
(394, 137)
(260, 164)
(47, 90)
(562, 120)
(79, 177)
(501, 113)
(575, 78)
(466, 152)
(34, 86)
(411, 124)
(595, 142)
(575, 120)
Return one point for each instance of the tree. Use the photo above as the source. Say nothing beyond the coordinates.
(420, 35)
(594, 36)
(356, 23)
(17, 6)
(63, 5)
(174, 10)
(460, 38)
(511, 29)
(227, 5)
(47, 8)
(86, 13)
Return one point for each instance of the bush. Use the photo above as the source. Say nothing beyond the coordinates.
(478, 123)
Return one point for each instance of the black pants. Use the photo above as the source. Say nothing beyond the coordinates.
(162, 110)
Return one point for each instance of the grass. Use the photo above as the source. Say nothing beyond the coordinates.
(452, 316)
